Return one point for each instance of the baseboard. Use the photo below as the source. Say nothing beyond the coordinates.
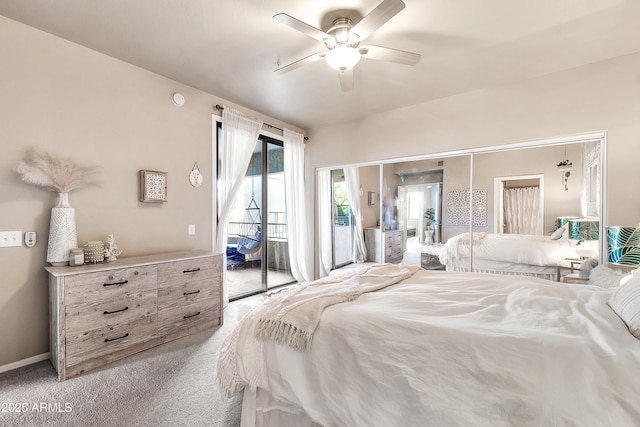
(24, 362)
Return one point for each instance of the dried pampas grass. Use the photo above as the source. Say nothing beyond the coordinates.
(54, 173)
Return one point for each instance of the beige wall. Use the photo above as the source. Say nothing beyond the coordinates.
(600, 96)
(370, 181)
(74, 102)
(543, 161)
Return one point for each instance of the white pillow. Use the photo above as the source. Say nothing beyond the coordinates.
(625, 302)
(605, 277)
(560, 232)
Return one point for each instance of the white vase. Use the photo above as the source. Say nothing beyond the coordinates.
(428, 236)
(62, 232)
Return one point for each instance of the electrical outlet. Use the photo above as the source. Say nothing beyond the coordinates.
(10, 238)
(192, 229)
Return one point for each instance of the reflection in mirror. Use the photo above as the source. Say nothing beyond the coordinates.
(524, 201)
(593, 183)
(408, 225)
(592, 173)
(530, 195)
(342, 220)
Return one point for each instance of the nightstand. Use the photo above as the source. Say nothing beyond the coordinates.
(574, 278)
(574, 265)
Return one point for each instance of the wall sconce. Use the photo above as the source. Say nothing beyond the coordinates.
(624, 245)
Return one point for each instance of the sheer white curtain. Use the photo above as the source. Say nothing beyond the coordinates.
(239, 137)
(521, 210)
(324, 216)
(352, 180)
(300, 236)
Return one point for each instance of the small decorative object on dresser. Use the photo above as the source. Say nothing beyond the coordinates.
(153, 186)
(111, 252)
(103, 312)
(93, 252)
(62, 176)
(76, 257)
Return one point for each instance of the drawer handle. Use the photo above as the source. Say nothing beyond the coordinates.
(116, 311)
(193, 270)
(124, 282)
(115, 339)
(191, 293)
(193, 315)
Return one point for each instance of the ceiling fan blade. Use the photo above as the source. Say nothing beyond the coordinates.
(305, 28)
(299, 63)
(390, 55)
(346, 80)
(377, 17)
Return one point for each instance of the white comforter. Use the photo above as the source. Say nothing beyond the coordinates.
(515, 248)
(457, 349)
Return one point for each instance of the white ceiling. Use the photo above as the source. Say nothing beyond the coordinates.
(229, 48)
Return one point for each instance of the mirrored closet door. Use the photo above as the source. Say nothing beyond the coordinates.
(455, 212)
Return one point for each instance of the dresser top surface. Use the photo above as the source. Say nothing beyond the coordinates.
(130, 262)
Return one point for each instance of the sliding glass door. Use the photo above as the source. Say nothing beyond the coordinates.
(342, 232)
(257, 243)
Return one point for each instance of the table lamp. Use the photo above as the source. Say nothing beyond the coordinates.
(624, 245)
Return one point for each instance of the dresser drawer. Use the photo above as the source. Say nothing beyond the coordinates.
(187, 292)
(126, 308)
(174, 319)
(108, 285)
(180, 272)
(109, 339)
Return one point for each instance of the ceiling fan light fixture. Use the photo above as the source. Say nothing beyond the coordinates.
(343, 58)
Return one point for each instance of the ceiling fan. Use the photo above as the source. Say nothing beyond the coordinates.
(343, 42)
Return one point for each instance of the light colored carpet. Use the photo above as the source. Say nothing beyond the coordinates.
(174, 384)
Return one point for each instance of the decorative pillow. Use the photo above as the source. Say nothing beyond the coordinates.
(625, 302)
(605, 277)
(560, 232)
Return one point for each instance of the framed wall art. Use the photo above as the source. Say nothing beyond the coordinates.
(153, 186)
(458, 207)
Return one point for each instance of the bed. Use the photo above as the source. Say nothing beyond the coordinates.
(517, 254)
(438, 348)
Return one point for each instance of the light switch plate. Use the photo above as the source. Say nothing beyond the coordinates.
(10, 238)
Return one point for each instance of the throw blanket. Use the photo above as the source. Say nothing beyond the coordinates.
(291, 316)
(293, 319)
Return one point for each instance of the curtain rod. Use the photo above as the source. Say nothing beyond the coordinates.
(220, 108)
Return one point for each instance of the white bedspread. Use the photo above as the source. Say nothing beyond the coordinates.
(515, 248)
(458, 349)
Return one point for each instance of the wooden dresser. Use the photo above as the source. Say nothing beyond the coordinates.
(103, 312)
(385, 246)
